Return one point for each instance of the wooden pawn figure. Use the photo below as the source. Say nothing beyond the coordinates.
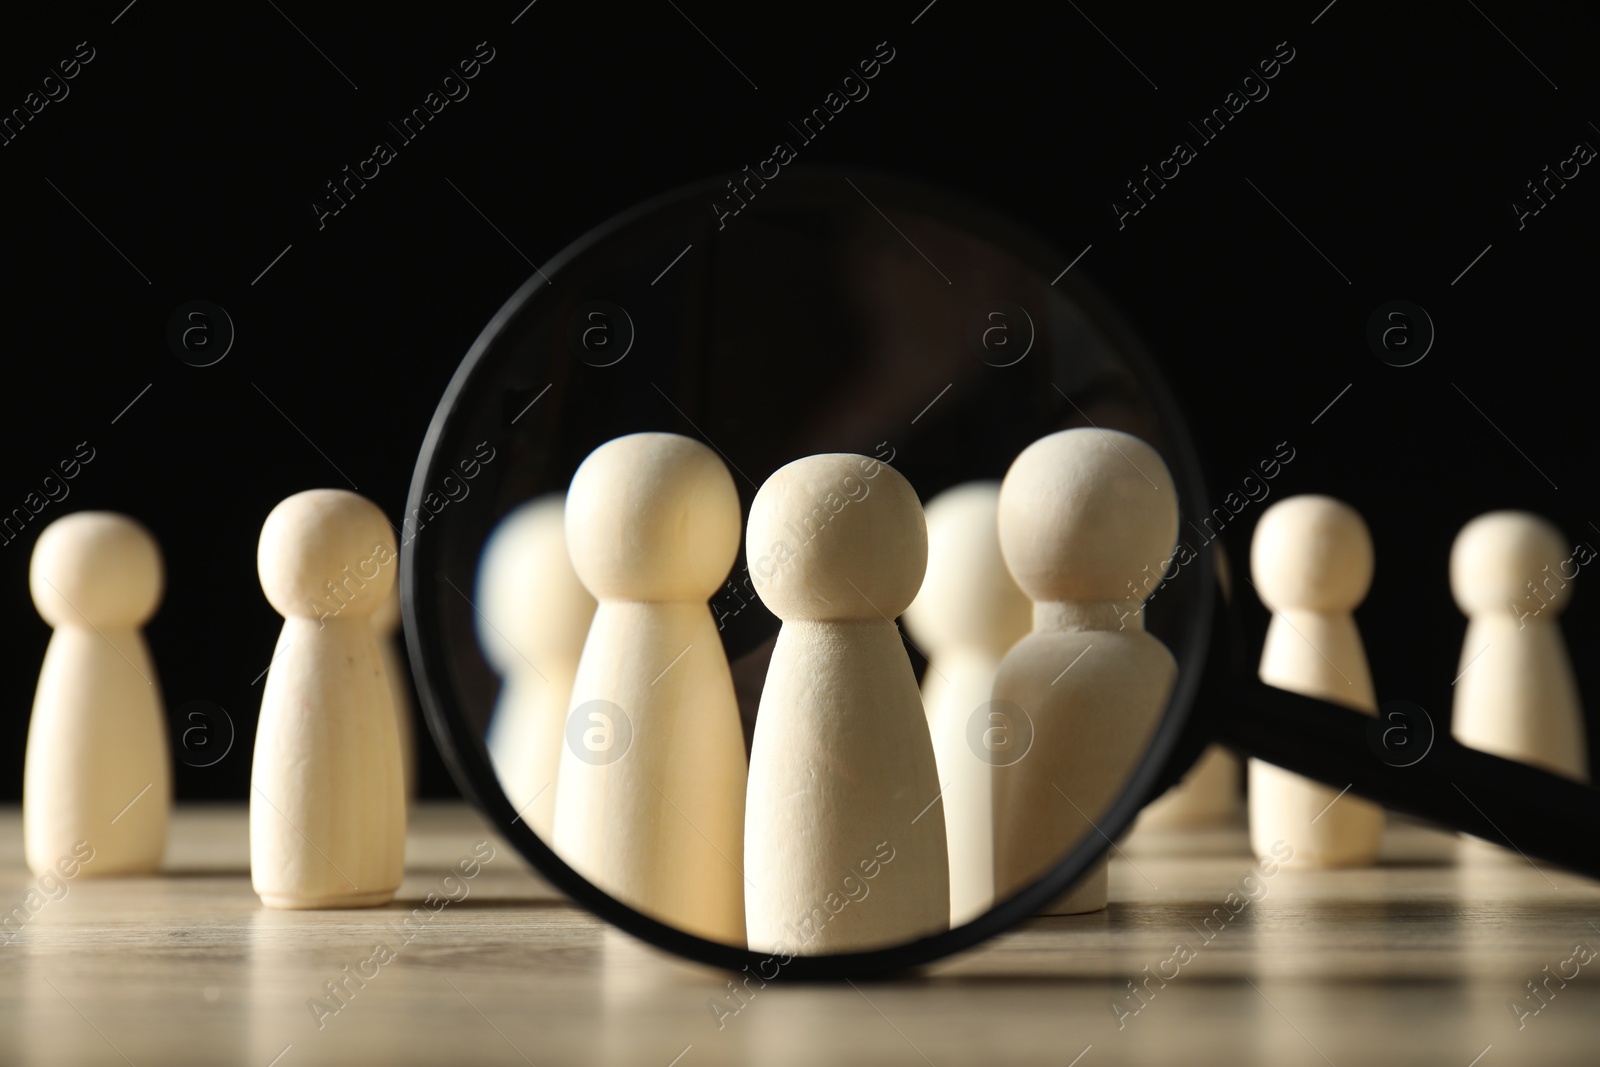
(327, 800)
(1082, 512)
(1516, 695)
(97, 776)
(533, 617)
(386, 625)
(1312, 561)
(967, 615)
(844, 842)
(650, 793)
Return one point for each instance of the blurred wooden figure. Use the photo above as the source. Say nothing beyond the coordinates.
(97, 777)
(967, 615)
(1515, 694)
(1312, 561)
(533, 617)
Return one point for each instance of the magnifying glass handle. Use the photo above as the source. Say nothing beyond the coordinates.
(1539, 814)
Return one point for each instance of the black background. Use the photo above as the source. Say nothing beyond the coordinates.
(195, 142)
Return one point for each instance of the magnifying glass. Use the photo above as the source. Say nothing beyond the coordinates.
(833, 312)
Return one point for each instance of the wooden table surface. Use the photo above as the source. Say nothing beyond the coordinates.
(1415, 961)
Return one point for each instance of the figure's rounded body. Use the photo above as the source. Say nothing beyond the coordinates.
(1089, 727)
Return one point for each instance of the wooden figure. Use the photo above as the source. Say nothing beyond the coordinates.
(1083, 513)
(650, 793)
(327, 799)
(1516, 695)
(1312, 561)
(97, 772)
(844, 837)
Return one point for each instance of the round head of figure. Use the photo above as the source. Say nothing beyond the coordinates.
(326, 553)
(1088, 515)
(836, 537)
(1311, 553)
(1497, 556)
(530, 603)
(968, 599)
(96, 568)
(652, 516)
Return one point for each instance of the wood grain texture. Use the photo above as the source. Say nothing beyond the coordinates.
(1411, 961)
